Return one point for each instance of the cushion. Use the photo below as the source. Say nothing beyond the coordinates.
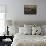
(33, 30)
(44, 29)
(28, 31)
(21, 30)
(24, 30)
(28, 26)
(13, 30)
(36, 30)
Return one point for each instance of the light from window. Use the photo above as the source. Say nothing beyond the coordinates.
(2, 23)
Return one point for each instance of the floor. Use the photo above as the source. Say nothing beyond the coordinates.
(5, 43)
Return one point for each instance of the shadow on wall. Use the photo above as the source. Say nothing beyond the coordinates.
(21, 23)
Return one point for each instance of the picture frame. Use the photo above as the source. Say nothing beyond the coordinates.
(30, 9)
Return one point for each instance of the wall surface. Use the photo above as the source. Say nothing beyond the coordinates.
(15, 10)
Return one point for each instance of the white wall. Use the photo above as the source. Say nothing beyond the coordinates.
(41, 10)
(15, 9)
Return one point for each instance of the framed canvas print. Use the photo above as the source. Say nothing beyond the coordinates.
(30, 9)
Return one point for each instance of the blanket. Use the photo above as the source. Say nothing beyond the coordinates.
(29, 40)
